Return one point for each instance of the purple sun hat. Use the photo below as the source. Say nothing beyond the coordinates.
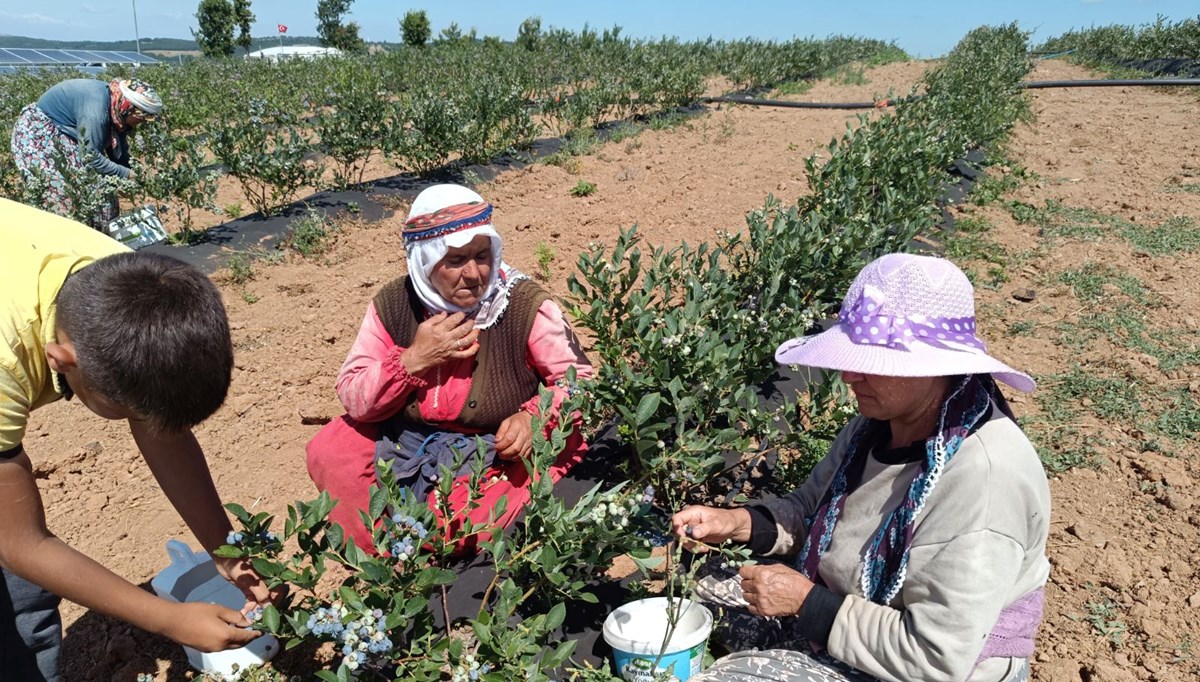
(904, 316)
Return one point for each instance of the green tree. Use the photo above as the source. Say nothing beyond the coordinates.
(244, 18)
(414, 28)
(451, 34)
(529, 35)
(217, 20)
(333, 31)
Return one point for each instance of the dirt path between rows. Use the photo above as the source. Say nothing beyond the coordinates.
(1111, 334)
(1123, 531)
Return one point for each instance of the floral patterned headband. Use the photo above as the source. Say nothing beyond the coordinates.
(447, 220)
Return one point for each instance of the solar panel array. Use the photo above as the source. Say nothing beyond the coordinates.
(30, 57)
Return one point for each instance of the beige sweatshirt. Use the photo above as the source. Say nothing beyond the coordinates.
(978, 545)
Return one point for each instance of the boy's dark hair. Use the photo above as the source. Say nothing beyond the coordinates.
(151, 335)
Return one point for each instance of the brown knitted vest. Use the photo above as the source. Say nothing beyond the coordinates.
(501, 380)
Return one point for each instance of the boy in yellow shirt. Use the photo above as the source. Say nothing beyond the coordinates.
(133, 336)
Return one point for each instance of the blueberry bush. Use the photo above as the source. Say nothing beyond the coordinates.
(1109, 45)
(280, 127)
(686, 335)
(378, 616)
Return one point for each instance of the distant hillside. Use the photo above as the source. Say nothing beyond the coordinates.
(124, 45)
(151, 44)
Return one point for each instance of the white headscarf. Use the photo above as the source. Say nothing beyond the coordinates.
(424, 254)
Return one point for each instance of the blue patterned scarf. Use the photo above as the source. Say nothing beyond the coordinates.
(886, 559)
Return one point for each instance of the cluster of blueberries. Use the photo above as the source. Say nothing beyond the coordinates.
(362, 637)
(469, 670)
(236, 537)
(410, 533)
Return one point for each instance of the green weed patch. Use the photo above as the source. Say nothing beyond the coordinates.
(1179, 234)
(1093, 281)
(793, 88)
(1060, 445)
(1113, 398)
(1181, 419)
(309, 235)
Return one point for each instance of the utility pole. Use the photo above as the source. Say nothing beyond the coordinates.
(137, 37)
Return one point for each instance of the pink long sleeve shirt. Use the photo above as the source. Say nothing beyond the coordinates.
(373, 384)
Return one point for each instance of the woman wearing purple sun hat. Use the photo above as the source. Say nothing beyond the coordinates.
(919, 541)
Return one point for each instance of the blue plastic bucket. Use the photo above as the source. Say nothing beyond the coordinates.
(636, 631)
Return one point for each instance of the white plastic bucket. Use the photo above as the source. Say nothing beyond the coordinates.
(193, 577)
(636, 631)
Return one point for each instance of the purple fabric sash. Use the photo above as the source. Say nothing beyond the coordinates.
(1012, 635)
(865, 325)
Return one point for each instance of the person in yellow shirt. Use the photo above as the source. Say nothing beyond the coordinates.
(132, 336)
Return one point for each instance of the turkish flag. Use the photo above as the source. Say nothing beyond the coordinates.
(281, 27)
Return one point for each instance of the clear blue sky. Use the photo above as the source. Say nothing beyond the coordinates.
(926, 28)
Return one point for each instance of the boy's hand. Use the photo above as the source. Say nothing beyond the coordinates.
(209, 627)
(178, 464)
(241, 573)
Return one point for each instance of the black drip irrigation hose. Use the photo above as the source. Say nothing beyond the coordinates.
(1137, 82)
(802, 105)
(892, 101)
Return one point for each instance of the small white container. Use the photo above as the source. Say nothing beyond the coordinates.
(138, 229)
(636, 631)
(193, 577)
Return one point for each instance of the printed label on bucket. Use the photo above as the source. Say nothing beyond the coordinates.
(681, 665)
(643, 670)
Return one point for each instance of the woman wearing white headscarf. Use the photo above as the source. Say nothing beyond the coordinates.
(83, 123)
(456, 348)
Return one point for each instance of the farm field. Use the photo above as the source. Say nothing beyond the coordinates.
(1110, 332)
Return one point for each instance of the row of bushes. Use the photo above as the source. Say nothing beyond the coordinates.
(418, 108)
(1108, 45)
(684, 335)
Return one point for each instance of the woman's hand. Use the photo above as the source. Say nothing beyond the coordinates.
(208, 627)
(711, 526)
(774, 589)
(514, 438)
(438, 339)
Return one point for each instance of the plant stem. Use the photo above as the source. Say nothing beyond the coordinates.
(496, 579)
(529, 592)
(672, 610)
(446, 610)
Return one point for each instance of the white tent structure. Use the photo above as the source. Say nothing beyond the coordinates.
(294, 51)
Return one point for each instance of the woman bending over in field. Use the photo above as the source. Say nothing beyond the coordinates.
(80, 122)
(457, 348)
(920, 539)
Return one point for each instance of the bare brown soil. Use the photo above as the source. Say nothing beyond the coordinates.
(1124, 534)
(1124, 531)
